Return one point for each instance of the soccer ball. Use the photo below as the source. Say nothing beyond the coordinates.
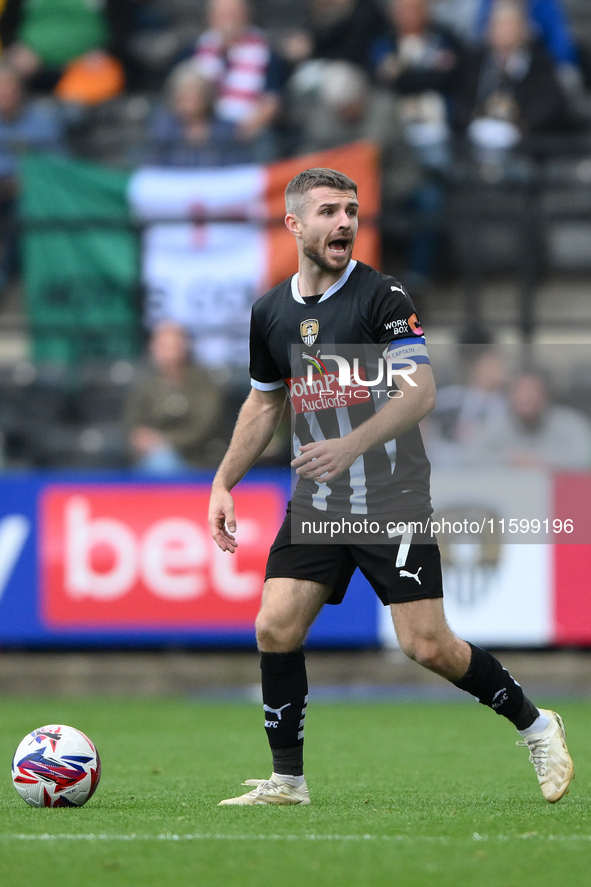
(56, 766)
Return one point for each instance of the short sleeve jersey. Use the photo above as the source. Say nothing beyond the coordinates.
(364, 307)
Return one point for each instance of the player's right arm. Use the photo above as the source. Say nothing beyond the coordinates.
(256, 424)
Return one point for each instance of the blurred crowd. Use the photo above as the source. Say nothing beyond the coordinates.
(418, 77)
(428, 81)
(501, 415)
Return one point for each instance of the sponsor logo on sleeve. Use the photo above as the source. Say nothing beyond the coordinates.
(398, 327)
(413, 322)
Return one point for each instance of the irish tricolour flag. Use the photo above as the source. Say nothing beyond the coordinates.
(105, 251)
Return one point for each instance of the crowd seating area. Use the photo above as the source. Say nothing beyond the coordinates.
(51, 417)
(472, 202)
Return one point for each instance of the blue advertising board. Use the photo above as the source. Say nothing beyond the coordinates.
(114, 560)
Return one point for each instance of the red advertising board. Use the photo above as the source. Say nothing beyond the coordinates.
(572, 563)
(142, 557)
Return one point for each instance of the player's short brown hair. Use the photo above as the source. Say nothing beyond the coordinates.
(317, 177)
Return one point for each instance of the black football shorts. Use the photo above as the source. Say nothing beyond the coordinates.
(418, 579)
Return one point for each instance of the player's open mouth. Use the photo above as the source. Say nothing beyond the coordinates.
(339, 247)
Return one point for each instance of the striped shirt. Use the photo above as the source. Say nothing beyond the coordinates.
(239, 71)
(299, 346)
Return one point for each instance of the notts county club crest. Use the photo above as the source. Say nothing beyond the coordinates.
(309, 331)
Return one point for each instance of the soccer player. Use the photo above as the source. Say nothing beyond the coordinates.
(355, 459)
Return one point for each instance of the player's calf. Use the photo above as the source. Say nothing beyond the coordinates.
(542, 731)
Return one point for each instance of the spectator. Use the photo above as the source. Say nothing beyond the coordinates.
(417, 59)
(24, 125)
(508, 88)
(347, 109)
(459, 16)
(338, 29)
(237, 58)
(186, 131)
(463, 410)
(48, 40)
(547, 19)
(548, 23)
(172, 409)
(534, 433)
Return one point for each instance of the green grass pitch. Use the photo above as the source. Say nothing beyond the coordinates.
(409, 794)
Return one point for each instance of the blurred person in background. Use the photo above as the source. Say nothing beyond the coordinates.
(509, 87)
(24, 125)
(548, 24)
(337, 29)
(71, 46)
(246, 74)
(186, 131)
(547, 19)
(173, 408)
(459, 16)
(463, 410)
(416, 59)
(349, 108)
(533, 432)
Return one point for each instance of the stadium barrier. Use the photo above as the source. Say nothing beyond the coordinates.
(117, 561)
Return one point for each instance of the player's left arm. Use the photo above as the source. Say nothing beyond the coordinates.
(327, 459)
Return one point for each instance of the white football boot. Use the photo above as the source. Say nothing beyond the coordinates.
(549, 755)
(271, 791)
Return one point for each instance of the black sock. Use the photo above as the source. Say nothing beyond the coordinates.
(285, 697)
(493, 686)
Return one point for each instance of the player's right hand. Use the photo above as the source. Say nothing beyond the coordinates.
(221, 519)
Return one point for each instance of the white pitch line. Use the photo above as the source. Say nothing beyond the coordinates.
(170, 837)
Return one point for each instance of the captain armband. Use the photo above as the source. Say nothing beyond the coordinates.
(401, 351)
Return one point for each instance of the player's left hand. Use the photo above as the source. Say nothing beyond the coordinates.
(324, 459)
(221, 519)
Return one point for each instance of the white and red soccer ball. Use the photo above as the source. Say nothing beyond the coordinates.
(56, 766)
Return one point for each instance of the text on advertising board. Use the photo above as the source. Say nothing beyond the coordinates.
(136, 557)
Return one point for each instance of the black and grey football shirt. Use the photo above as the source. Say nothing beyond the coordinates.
(364, 307)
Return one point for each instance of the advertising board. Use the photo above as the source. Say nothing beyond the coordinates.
(113, 561)
(117, 561)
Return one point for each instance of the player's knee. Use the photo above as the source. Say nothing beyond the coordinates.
(274, 636)
(426, 651)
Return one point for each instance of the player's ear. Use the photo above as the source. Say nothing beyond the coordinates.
(292, 224)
